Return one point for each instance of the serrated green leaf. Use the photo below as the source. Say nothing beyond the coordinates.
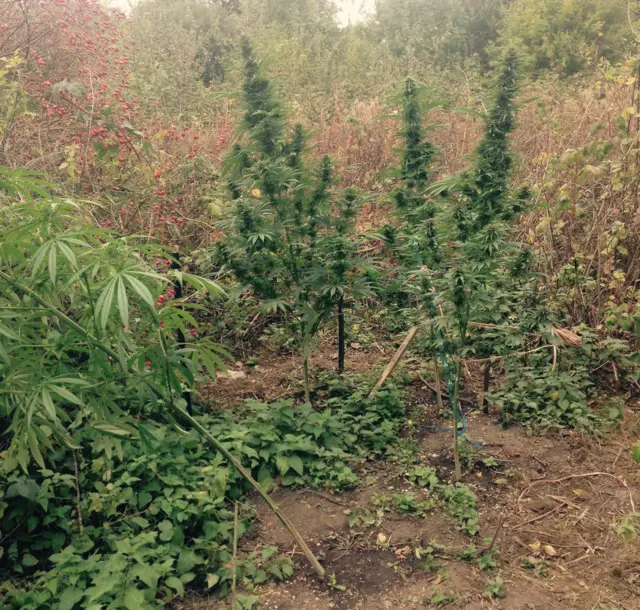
(140, 289)
(70, 597)
(123, 303)
(64, 393)
(283, 464)
(67, 252)
(53, 263)
(133, 598)
(104, 303)
(296, 463)
(186, 560)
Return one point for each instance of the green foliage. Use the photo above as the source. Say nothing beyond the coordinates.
(627, 527)
(543, 398)
(408, 504)
(461, 504)
(159, 507)
(283, 240)
(423, 476)
(567, 36)
(495, 588)
(87, 328)
(487, 561)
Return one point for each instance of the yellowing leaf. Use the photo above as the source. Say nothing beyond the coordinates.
(549, 551)
(535, 546)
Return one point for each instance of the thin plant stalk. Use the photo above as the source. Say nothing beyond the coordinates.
(454, 406)
(436, 375)
(341, 337)
(234, 560)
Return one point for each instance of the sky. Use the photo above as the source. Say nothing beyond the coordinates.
(352, 11)
(349, 11)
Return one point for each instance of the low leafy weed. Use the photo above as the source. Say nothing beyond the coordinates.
(440, 599)
(626, 528)
(332, 583)
(461, 504)
(408, 504)
(468, 553)
(423, 476)
(362, 517)
(495, 588)
(487, 561)
(539, 566)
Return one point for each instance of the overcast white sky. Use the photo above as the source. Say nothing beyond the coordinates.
(349, 11)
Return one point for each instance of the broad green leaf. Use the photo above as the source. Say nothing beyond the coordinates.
(146, 574)
(70, 597)
(296, 463)
(212, 580)
(282, 463)
(133, 598)
(187, 560)
(175, 584)
(166, 530)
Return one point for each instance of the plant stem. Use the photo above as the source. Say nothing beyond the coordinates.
(234, 560)
(454, 406)
(485, 387)
(307, 383)
(341, 338)
(213, 442)
(436, 375)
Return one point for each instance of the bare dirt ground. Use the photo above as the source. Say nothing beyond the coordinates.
(552, 504)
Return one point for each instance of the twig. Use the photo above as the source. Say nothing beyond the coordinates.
(495, 536)
(394, 361)
(588, 554)
(539, 517)
(78, 504)
(617, 457)
(578, 476)
(234, 560)
(326, 497)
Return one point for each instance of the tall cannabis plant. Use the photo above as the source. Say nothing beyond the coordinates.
(282, 231)
(456, 247)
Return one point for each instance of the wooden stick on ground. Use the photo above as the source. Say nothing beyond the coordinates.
(394, 361)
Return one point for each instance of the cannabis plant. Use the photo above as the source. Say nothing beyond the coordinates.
(283, 240)
(88, 335)
(464, 266)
